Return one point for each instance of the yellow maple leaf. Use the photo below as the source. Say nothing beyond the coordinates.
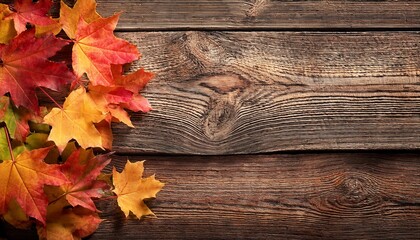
(70, 17)
(131, 189)
(7, 27)
(54, 28)
(75, 121)
(16, 217)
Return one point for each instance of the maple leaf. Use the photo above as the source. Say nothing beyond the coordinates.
(16, 216)
(16, 119)
(75, 121)
(82, 173)
(131, 189)
(4, 148)
(23, 178)
(28, 11)
(134, 82)
(36, 140)
(7, 28)
(108, 100)
(68, 223)
(54, 28)
(24, 65)
(104, 128)
(123, 94)
(96, 48)
(69, 17)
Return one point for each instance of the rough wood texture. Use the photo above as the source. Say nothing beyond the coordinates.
(262, 14)
(315, 196)
(300, 196)
(252, 92)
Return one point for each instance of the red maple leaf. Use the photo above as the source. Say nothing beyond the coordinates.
(28, 11)
(24, 65)
(23, 178)
(82, 175)
(123, 94)
(96, 48)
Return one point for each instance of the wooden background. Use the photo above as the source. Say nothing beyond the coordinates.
(274, 119)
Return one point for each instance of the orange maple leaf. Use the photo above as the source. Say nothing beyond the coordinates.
(131, 189)
(82, 172)
(28, 11)
(70, 17)
(23, 178)
(75, 120)
(123, 94)
(96, 48)
(104, 128)
(24, 65)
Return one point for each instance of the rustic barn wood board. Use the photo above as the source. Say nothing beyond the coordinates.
(305, 113)
(294, 196)
(255, 92)
(311, 196)
(262, 14)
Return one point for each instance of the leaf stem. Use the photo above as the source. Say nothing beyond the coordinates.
(51, 98)
(9, 144)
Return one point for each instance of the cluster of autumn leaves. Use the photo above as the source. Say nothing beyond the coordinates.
(49, 174)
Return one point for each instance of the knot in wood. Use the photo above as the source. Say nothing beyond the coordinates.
(257, 8)
(224, 84)
(354, 189)
(220, 119)
(203, 49)
(358, 191)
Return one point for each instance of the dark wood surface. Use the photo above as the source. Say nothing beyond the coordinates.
(293, 196)
(276, 76)
(261, 14)
(256, 92)
(311, 196)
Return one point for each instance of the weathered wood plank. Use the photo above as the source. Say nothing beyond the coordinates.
(262, 14)
(299, 196)
(315, 196)
(259, 14)
(251, 92)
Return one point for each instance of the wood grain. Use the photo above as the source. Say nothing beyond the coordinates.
(302, 196)
(258, 14)
(261, 14)
(253, 92)
(298, 196)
